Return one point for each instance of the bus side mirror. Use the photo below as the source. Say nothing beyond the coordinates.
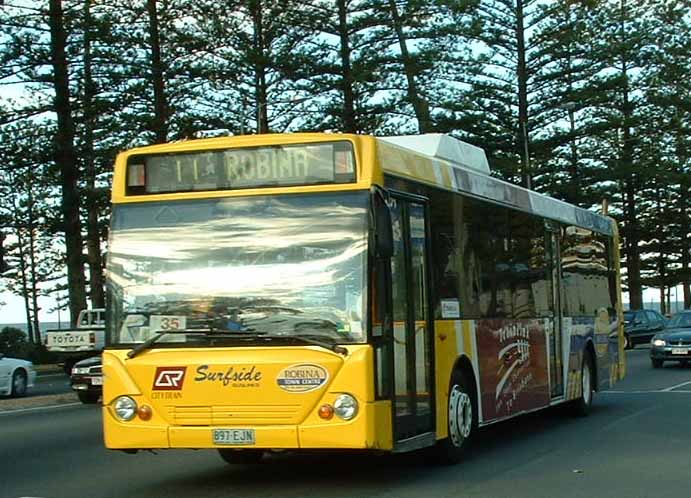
(383, 232)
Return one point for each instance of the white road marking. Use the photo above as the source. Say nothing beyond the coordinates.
(37, 408)
(643, 392)
(678, 385)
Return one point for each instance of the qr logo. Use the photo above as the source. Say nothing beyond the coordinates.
(169, 378)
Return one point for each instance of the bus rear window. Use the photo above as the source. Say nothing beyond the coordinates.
(241, 168)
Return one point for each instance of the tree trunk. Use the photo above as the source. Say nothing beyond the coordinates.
(685, 242)
(661, 259)
(349, 116)
(522, 76)
(419, 104)
(633, 256)
(260, 68)
(65, 159)
(93, 237)
(33, 277)
(21, 245)
(684, 221)
(160, 123)
(25, 286)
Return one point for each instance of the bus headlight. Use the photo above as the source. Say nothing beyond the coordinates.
(125, 408)
(346, 407)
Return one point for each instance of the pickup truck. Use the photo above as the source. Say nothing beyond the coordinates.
(73, 345)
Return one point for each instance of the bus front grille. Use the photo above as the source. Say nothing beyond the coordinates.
(234, 415)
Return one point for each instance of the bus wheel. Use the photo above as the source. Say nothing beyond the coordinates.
(241, 457)
(581, 406)
(462, 420)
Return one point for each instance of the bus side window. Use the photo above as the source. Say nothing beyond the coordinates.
(585, 270)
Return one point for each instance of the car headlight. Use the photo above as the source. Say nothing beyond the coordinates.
(80, 370)
(125, 408)
(659, 342)
(346, 407)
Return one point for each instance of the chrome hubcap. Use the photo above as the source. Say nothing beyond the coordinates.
(460, 416)
(585, 384)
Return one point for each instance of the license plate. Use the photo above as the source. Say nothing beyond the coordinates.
(96, 381)
(234, 436)
(67, 339)
(680, 350)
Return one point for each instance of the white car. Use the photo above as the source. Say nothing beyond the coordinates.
(16, 376)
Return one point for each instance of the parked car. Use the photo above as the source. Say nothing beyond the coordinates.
(641, 325)
(674, 344)
(87, 379)
(16, 376)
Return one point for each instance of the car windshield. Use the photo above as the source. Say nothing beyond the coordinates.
(628, 316)
(680, 320)
(291, 265)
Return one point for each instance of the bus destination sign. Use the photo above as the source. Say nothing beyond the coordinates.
(229, 169)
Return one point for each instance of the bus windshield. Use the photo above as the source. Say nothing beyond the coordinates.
(247, 268)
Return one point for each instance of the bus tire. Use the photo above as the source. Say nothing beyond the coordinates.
(581, 406)
(241, 457)
(462, 420)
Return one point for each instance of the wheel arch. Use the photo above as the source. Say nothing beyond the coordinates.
(464, 366)
(21, 369)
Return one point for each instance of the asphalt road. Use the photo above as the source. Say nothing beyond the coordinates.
(54, 383)
(636, 443)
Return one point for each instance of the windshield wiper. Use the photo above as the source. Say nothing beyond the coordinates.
(316, 342)
(247, 334)
(288, 337)
(159, 334)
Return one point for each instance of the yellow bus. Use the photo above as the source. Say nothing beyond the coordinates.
(329, 291)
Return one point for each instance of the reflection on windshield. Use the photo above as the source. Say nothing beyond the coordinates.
(282, 265)
(680, 320)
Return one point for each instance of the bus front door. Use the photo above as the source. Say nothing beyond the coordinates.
(413, 397)
(556, 331)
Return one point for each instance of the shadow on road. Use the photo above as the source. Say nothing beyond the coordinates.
(333, 472)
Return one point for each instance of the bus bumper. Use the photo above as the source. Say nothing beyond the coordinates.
(370, 429)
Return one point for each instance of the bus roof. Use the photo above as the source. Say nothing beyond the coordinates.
(433, 162)
(438, 160)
